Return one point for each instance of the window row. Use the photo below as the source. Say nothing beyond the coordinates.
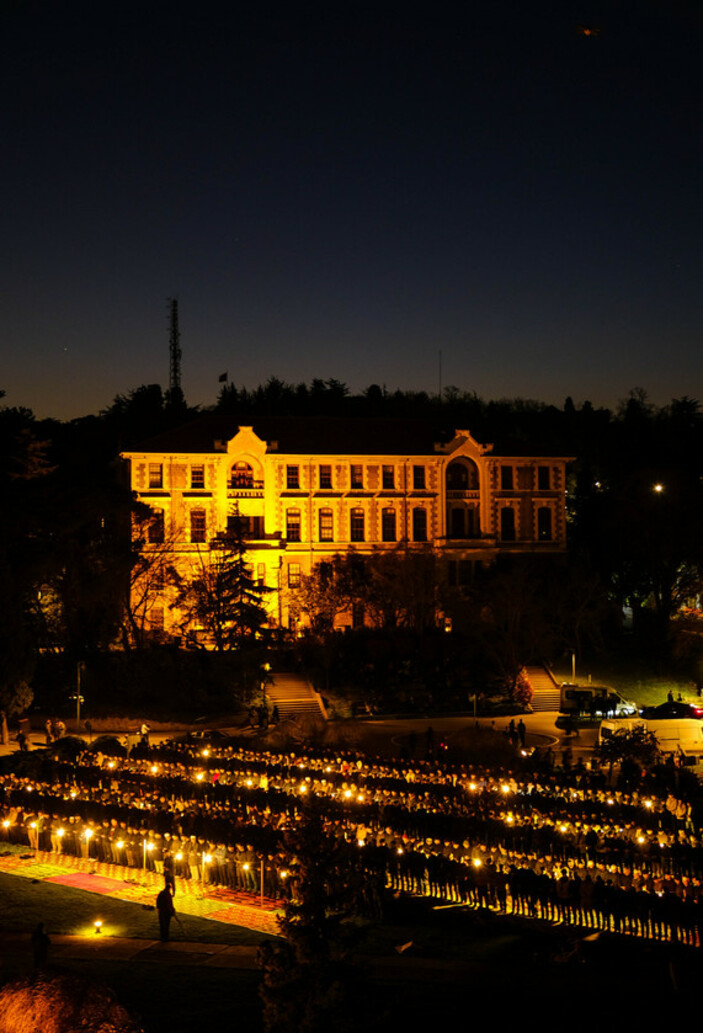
(522, 478)
(357, 525)
(358, 477)
(508, 524)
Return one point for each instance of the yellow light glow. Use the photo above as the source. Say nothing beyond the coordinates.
(88, 833)
(199, 777)
(206, 753)
(477, 862)
(60, 832)
(153, 769)
(179, 857)
(119, 844)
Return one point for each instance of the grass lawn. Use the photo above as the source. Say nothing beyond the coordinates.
(71, 912)
(471, 963)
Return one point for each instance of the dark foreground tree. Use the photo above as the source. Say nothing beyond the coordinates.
(302, 989)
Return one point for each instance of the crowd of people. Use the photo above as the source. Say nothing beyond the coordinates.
(562, 845)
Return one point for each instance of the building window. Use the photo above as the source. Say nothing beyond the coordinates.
(457, 524)
(419, 524)
(157, 618)
(156, 475)
(197, 525)
(292, 477)
(197, 476)
(325, 473)
(506, 478)
(507, 524)
(388, 482)
(293, 525)
(543, 478)
(388, 533)
(356, 525)
(294, 575)
(357, 476)
(462, 475)
(157, 524)
(473, 527)
(544, 524)
(260, 575)
(418, 478)
(326, 525)
(242, 476)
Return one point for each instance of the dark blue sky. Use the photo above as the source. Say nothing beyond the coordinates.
(344, 191)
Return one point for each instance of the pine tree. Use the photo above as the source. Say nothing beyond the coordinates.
(222, 597)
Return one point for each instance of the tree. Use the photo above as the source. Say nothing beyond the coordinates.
(301, 989)
(632, 748)
(222, 596)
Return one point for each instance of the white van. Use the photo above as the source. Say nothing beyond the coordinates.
(686, 734)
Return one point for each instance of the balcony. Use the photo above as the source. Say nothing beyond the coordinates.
(245, 488)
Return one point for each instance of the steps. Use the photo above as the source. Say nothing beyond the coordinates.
(294, 696)
(547, 690)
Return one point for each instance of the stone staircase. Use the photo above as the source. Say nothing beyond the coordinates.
(547, 690)
(294, 696)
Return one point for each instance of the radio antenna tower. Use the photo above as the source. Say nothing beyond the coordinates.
(174, 395)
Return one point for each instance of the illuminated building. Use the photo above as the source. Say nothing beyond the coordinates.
(306, 489)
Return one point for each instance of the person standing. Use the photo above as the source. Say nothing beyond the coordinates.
(164, 905)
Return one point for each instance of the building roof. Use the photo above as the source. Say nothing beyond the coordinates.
(315, 436)
(306, 436)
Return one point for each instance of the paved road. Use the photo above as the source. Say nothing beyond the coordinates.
(386, 735)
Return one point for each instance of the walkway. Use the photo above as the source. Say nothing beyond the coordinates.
(217, 903)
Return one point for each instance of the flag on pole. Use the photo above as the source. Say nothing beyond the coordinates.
(223, 378)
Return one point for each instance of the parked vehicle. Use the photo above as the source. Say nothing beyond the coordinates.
(672, 711)
(685, 734)
(595, 701)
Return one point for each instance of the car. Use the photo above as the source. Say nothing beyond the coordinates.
(672, 711)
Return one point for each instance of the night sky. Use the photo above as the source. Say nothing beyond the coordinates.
(347, 190)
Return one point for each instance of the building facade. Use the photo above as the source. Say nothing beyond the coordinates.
(304, 490)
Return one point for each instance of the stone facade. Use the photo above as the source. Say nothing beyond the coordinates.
(308, 489)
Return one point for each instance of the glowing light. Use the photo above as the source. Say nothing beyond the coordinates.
(477, 862)
(207, 858)
(153, 769)
(179, 857)
(199, 777)
(648, 804)
(206, 753)
(98, 926)
(658, 488)
(6, 824)
(303, 788)
(347, 793)
(505, 788)
(119, 844)
(88, 833)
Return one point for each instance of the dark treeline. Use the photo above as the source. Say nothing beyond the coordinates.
(66, 553)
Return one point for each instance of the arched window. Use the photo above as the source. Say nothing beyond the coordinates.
(356, 525)
(462, 475)
(419, 524)
(241, 476)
